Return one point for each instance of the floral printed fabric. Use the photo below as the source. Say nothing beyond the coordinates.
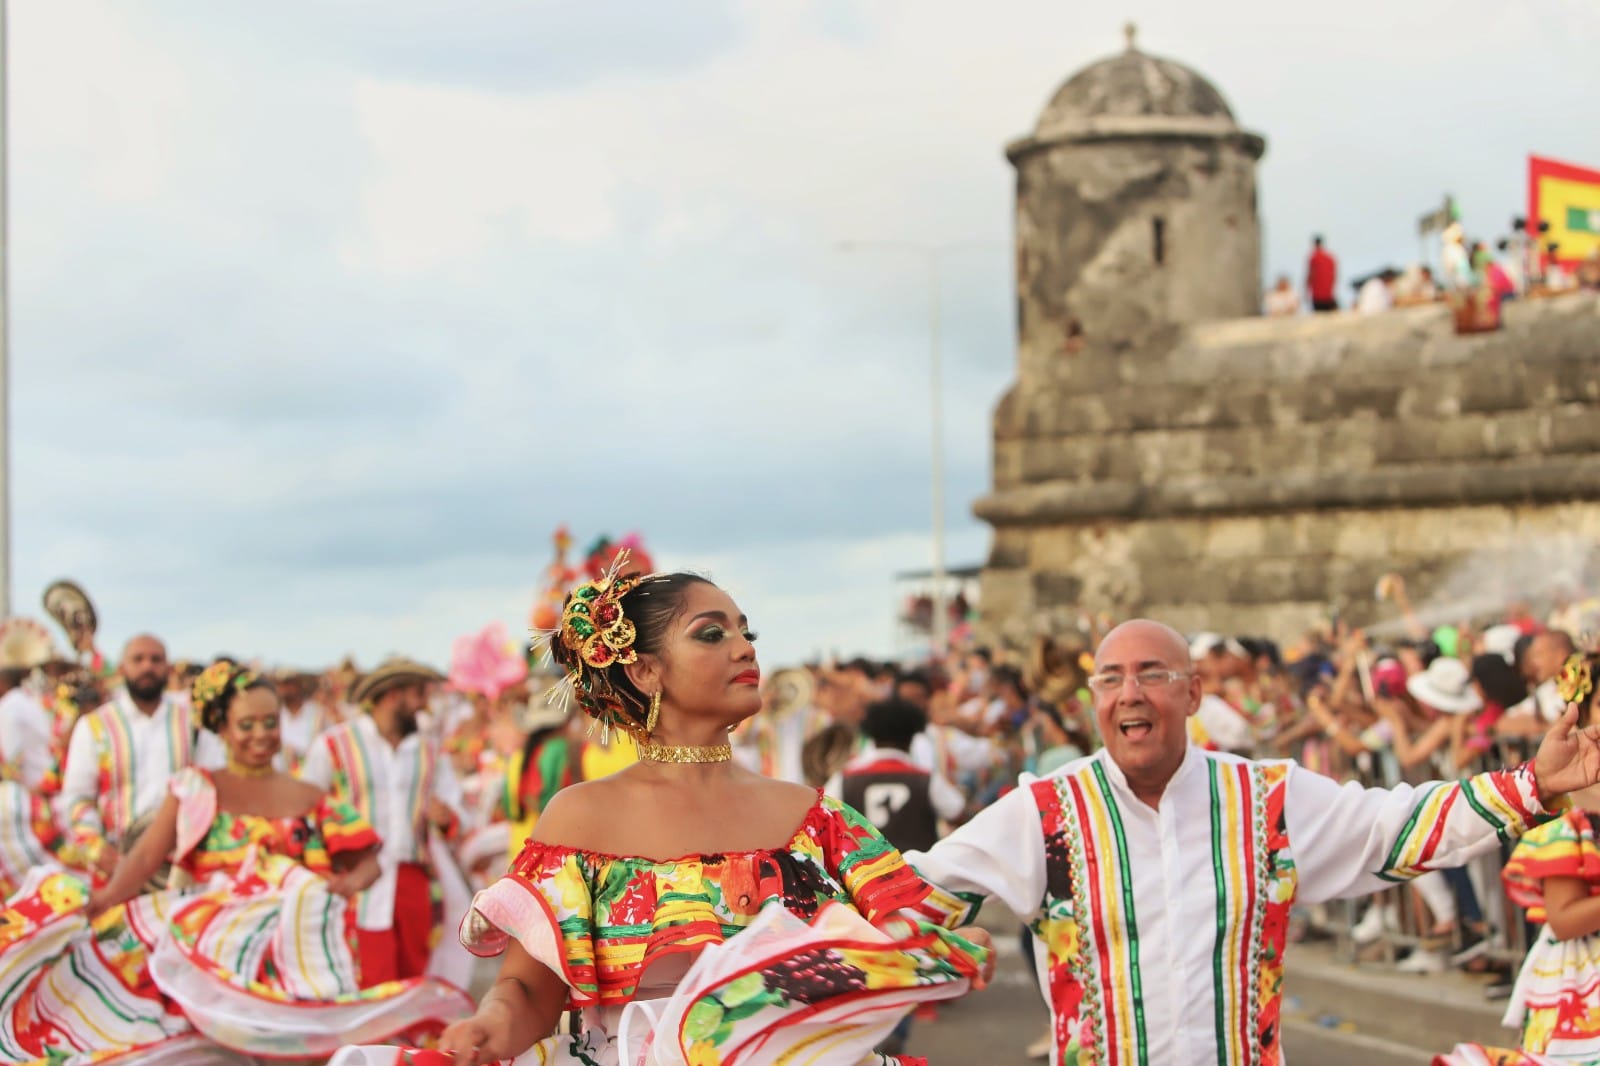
(258, 962)
(600, 920)
(1553, 1001)
(813, 950)
(310, 840)
(785, 990)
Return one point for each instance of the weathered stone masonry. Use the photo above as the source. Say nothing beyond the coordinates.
(1161, 454)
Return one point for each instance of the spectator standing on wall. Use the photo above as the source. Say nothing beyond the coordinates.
(1322, 278)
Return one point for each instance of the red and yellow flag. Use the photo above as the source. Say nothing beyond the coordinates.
(1567, 197)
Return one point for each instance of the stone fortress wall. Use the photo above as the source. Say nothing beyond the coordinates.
(1262, 472)
(1160, 453)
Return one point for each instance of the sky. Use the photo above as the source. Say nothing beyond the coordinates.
(324, 316)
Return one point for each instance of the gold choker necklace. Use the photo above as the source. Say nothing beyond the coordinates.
(250, 771)
(685, 753)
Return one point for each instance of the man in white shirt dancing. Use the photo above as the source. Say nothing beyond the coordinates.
(1158, 877)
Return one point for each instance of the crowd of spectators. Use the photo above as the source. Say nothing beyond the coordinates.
(1399, 702)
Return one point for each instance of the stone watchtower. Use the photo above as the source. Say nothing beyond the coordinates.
(1165, 450)
(1136, 215)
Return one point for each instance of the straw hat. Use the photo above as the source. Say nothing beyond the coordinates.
(536, 714)
(25, 644)
(390, 673)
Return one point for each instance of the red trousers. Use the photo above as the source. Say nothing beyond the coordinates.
(402, 950)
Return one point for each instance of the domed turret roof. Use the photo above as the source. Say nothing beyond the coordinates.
(1136, 83)
(1135, 94)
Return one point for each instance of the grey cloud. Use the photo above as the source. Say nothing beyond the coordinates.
(507, 45)
(227, 418)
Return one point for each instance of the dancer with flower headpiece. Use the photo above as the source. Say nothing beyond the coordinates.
(251, 950)
(1554, 874)
(693, 910)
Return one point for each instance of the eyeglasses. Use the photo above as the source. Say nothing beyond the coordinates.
(1105, 684)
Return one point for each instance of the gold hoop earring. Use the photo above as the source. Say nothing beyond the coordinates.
(655, 715)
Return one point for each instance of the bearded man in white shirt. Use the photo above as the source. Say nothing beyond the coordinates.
(1158, 877)
(123, 755)
(384, 767)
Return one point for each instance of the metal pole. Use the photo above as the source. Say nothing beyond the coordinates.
(5, 328)
(931, 252)
(941, 614)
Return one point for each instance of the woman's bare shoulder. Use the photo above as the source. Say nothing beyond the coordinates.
(576, 816)
(781, 804)
(789, 793)
(302, 790)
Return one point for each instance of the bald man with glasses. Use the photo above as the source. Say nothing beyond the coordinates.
(1157, 877)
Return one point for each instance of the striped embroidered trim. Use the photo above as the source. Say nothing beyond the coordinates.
(1242, 873)
(1129, 985)
(1258, 861)
(1220, 882)
(350, 757)
(1091, 1013)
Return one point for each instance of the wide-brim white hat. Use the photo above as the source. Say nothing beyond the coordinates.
(1502, 640)
(1446, 685)
(1203, 644)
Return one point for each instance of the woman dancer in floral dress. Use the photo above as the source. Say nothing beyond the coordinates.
(249, 953)
(695, 912)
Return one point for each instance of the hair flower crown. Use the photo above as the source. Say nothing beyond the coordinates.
(595, 635)
(215, 680)
(1574, 680)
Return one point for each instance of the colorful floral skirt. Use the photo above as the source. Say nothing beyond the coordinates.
(1556, 1003)
(159, 979)
(823, 993)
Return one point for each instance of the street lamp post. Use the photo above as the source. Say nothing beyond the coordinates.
(931, 254)
(5, 329)
(941, 614)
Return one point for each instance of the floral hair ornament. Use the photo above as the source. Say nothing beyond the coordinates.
(216, 679)
(597, 636)
(1574, 680)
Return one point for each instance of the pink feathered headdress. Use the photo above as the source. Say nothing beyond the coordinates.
(487, 662)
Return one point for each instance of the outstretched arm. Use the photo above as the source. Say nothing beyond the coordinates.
(1349, 841)
(998, 853)
(1412, 751)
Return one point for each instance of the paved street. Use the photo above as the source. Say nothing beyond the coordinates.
(995, 1026)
